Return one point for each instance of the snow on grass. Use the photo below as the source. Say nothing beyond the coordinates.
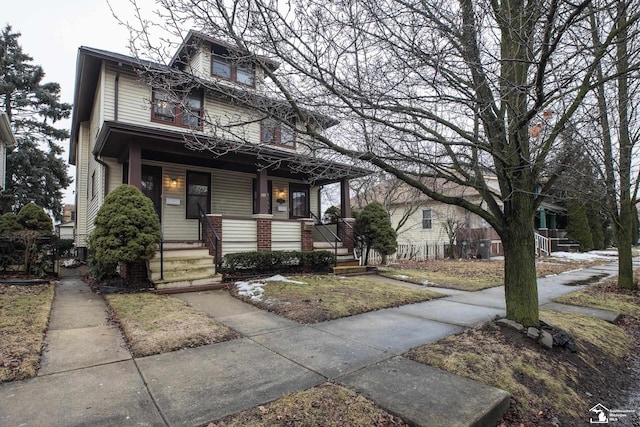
(255, 290)
(584, 256)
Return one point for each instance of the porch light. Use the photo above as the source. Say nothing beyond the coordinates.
(280, 194)
(174, 183)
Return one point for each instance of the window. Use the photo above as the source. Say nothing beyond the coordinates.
(256, 207)
(245, 75)
(221, 67)
(198, 193)
(299, 201)
(187, 113)
(426, 219)
(273, 132)
(224, 67)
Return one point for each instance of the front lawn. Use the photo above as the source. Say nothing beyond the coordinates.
(471, 275)
(24, 314)
(606, 295)
(155, 324)
(327, 405)
(320, 298)
(544, 384)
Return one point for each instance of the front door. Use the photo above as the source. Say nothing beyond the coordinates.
(152, 186)
(298, 201)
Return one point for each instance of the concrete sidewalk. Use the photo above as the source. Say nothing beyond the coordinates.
(87, 376)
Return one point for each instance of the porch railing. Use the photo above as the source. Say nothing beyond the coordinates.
(336, 238)
(208, 234)
(542, 244)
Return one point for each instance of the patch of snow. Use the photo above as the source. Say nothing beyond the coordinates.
(279, 278)
(426, 283)
(253, 290)
(582, 256)
(400, 276)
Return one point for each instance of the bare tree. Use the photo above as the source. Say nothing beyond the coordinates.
(426, 90)
(619, 129)
(451, 225)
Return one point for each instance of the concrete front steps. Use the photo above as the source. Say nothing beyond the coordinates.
(184, 269)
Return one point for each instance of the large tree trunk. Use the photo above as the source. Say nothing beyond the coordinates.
(624, 239)
(520, 282)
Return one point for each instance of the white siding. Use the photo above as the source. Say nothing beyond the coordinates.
(239, 235)
(286, 235)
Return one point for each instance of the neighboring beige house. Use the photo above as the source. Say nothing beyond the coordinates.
(422, 222)
(251, 187)
(7, 140)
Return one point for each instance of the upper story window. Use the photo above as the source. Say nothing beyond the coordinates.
(223, 66)
(274, 132)
(187, 113)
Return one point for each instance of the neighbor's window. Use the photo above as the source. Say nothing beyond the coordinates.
(221, 67)
(198, 193)
(187, 113)
(273, 132)
(426, 219)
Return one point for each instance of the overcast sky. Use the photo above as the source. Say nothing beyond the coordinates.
(52, 32)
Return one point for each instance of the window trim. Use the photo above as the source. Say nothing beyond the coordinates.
(430, 219)
(179, 109)
(206, 208)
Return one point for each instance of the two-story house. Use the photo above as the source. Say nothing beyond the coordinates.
(218, 170)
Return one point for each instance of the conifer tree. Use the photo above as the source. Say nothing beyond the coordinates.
(578, 227)
(374, 225)
(36, 171)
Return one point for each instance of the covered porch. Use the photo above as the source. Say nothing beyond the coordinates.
(227, 197)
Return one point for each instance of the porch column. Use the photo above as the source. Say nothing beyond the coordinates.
(552, 221)
(135, 166)
(345, 199)
(262, 190)
(543, 218)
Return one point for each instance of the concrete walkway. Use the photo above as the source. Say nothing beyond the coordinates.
(87, 377)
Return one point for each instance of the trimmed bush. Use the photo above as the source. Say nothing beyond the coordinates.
(33, 217)
(127, 229)
(276, 262)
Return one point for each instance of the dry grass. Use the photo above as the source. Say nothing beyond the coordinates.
(540, 381)
(472, 275)
(155, 324)
(330, 297)
(607, 296)
(327, 405)
(24, 314)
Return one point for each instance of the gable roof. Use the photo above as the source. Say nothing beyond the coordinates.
(190, 43)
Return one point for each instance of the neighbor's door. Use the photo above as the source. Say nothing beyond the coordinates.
(152, 186)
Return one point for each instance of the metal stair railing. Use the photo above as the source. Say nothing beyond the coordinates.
(336, 238)
(203, 227)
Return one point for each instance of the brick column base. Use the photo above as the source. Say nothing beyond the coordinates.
(306, 235)
(264, 232)
(216, 222)
(345, 232)
(134, 271)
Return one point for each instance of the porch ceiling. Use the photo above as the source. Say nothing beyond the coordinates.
(184, 148)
